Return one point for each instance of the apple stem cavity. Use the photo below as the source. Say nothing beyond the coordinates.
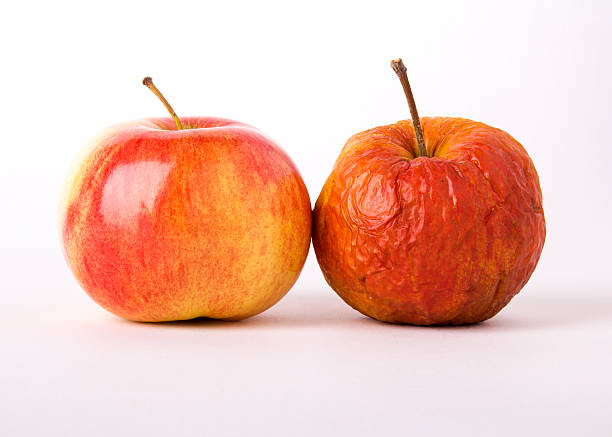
(400, 69)
(148, 82)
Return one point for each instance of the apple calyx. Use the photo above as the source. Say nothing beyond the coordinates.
(400, 69)
(148, 82)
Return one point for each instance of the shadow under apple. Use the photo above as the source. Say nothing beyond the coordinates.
(312, 308)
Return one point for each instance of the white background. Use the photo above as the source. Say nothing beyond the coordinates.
(310, 74)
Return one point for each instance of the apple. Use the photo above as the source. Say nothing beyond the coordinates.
(170, 219)
(431, 222)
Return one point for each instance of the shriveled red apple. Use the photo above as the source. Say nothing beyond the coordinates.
(429, 222)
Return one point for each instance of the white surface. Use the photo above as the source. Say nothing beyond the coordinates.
(309, 366)
(310, 75)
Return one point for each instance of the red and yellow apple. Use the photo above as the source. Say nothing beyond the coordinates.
(445, 235)
(210, 220)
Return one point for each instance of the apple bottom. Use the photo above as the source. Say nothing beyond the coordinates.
(152, 276)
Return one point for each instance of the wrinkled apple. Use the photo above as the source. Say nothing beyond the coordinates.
(445, 230)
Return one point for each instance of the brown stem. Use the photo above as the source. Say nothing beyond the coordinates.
(148, 82)
(400, 69)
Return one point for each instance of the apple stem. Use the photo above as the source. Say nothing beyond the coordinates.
(400, 69)
(148, 82)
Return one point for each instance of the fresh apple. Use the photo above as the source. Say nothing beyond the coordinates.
(430, 222)
(198, 217)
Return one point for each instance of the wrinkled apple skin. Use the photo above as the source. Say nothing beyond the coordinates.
(210, 221)
(429, 241)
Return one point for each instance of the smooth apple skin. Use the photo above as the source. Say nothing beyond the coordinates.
(430, 241)
(210, 221)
